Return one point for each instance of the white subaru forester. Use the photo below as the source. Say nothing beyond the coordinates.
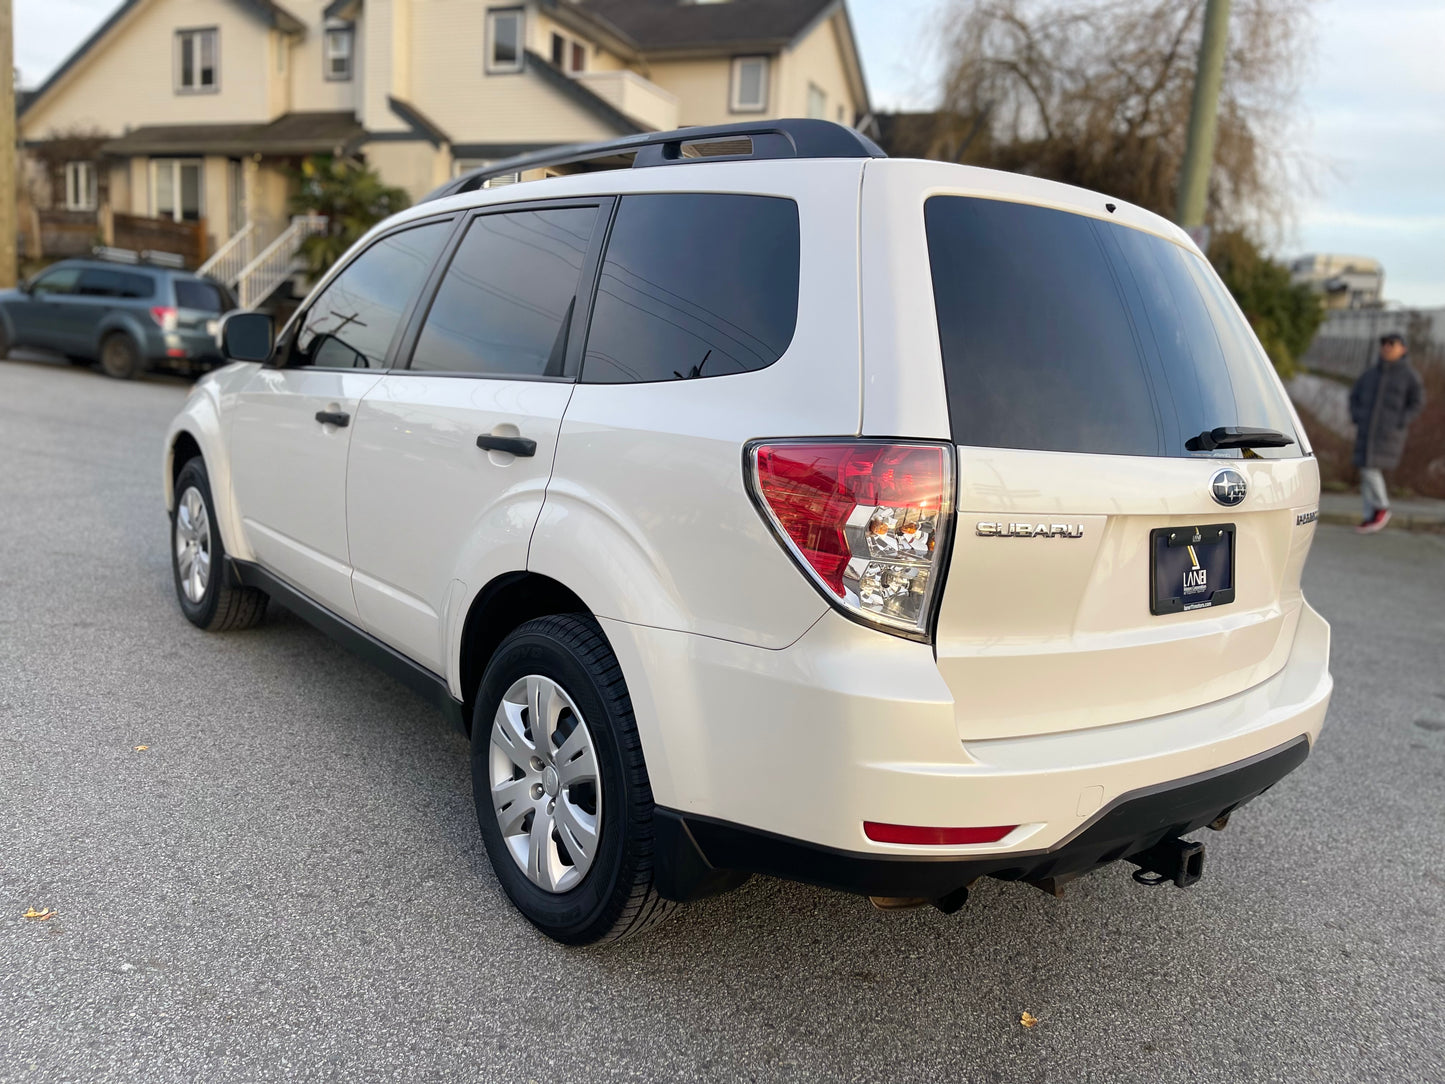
(772, 506)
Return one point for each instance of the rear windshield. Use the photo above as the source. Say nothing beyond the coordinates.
(1065, 333)
(203, 296)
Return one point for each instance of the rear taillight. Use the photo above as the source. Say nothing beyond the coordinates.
(869, 521)
(166, 318)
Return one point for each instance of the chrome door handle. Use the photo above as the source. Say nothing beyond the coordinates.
(518, 446)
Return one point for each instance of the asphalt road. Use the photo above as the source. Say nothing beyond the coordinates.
(289, 883)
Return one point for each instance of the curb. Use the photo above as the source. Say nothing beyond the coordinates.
(1398, 521)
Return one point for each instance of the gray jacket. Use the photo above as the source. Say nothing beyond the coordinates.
(1384, 401)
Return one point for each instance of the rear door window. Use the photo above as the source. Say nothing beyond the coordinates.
(506, 303)
(105, 282)
(1066, 333)
(694, 285)
(202, 296)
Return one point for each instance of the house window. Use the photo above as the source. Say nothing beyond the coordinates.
(817, 102)
(197, 61)
(463, 166)
(504, 40)
(176, 189)
(749, 84)
(80, 186)
(338, 55)
(570, 56)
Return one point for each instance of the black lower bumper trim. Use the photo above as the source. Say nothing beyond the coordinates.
(698, 856)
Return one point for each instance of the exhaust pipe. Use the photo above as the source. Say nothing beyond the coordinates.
(1177, 860)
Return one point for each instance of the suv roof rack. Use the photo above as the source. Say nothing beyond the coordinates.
(149, 257)
(751, 141)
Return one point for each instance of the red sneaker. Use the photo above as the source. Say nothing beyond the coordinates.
(1376, 522)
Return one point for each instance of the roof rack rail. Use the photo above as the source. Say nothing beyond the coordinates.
(745, 142)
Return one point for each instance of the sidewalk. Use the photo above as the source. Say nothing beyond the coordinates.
(1420, 514)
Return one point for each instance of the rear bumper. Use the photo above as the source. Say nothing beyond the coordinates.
(759, 758)
(696, 854)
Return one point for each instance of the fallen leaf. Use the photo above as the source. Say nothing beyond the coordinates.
(141, 748)
(33, 913)
(1028, 1019)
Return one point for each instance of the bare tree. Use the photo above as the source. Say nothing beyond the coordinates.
(1097, 93)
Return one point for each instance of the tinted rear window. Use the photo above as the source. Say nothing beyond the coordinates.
(1066, 333)
(103, 282)
(694, 285)
(204, 296)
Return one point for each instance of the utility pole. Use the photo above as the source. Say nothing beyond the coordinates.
(1199, 154)
(8, 183)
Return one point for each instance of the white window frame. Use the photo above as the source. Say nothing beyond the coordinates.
(817, 102)
(494, 16)
(338, 34)
(175, 166)
(735, 102)
(80, 186)
(189, 41)
(570, 48)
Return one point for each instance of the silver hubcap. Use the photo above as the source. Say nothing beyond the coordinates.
(545, 787)
(193, 544)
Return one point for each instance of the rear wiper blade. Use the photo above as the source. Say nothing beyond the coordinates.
(1236, 436)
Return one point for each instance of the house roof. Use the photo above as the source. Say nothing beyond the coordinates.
(667, 24)
(273, 13)
(291, 134)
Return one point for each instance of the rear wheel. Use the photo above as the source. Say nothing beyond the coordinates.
(561, 789)
(120, 356)
(204, 589)
(4, 342)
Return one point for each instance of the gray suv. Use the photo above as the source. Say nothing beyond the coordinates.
(129, 317)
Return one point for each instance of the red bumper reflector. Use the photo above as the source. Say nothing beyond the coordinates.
(175, 351)
(936, 837)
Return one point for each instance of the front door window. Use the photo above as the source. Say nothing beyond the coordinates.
(176, 189)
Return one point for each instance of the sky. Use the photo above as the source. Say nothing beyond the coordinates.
(1369, 137)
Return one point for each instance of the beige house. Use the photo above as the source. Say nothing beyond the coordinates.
(196, 111)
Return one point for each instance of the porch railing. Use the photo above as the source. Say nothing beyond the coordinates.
(228, 261)
(276, 261)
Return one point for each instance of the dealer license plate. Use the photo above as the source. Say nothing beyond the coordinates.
(1191, 568)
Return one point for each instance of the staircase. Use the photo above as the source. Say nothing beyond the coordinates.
(253, 275)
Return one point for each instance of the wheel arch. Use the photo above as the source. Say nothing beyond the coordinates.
(507, 601)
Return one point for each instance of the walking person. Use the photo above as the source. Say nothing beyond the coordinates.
(1384, 401)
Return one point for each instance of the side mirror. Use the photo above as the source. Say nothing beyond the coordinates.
(247, 336)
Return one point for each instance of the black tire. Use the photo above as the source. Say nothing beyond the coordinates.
(616, 897)
(4, 341)
(120, 357)
(223, 605)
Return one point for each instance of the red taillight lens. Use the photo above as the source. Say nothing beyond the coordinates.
(165, 317)
(933, 837)
(867, 519)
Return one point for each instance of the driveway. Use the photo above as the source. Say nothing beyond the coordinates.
(287, 881)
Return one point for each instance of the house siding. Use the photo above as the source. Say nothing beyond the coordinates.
(702, 89)
(816, 60)
(127, 80)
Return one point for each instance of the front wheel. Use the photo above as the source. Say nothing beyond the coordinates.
(204, 589)
(562, 794)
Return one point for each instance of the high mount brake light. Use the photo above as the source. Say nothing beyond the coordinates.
(869, 521)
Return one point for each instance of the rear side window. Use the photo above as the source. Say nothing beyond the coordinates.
(352, 323)
(1066, 333)
(694, 285)
(202, 296)
(103, 282)
(506, 303)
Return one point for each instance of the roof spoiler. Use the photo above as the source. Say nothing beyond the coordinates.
(752, 141)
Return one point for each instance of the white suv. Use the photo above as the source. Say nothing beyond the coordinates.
(772, 506)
